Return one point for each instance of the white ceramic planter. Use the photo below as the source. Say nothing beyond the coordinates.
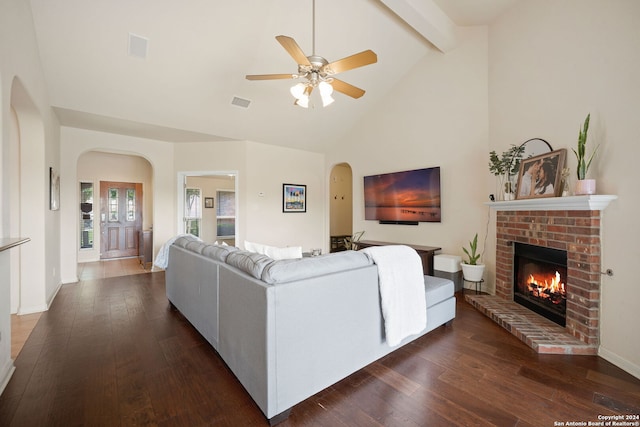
(585, 187)
(472, 273)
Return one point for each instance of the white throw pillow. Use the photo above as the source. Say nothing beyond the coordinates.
(290, 252)
(254, 247)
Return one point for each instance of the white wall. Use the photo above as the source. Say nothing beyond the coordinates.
(21, 76)
(551, 63)
(269, 167)
(159, 154)
(436, 116)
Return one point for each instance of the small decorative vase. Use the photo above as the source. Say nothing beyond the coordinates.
(585, 187)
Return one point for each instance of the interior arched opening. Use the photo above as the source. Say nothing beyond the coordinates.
(340, 206)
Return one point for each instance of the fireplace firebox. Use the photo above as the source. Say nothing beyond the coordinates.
(540, 275)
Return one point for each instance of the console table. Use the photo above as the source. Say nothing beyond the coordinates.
(145, 248)
(426, 252)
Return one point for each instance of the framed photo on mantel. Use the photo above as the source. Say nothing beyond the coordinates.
(541, 176)
(294, 198)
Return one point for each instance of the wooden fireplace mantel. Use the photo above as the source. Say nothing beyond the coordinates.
(569, 203)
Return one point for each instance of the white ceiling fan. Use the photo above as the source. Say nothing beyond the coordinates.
(317, 72)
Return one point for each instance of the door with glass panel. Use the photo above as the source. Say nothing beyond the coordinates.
(120, 219)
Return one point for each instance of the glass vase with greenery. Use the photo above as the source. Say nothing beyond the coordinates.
(504, 167)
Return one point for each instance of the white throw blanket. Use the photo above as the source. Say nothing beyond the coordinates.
(402, 294)
(162, 259)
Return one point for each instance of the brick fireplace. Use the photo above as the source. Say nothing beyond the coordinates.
(571, 224)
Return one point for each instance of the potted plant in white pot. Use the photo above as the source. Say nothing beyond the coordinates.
(472, 268)
(584, 185)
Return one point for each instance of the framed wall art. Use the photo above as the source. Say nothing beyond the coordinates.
(294, 198)
(208, 202)
(541, 176)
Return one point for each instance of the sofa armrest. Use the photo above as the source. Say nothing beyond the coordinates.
(247, 318)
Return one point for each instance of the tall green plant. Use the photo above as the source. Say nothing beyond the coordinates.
(583, 163)
(472, 255)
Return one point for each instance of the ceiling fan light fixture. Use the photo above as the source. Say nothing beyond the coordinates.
(317, 72)
(325, 93)
(297, 90)
(302, 102)
(326, 100)
(325, 89)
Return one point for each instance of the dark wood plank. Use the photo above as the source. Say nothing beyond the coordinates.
(115, 352)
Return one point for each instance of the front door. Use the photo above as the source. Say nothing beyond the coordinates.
(120, 218)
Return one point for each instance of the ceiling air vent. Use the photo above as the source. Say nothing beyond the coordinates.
(240, 102)
(138, 46)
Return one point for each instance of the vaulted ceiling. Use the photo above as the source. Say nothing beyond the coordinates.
(199, 51)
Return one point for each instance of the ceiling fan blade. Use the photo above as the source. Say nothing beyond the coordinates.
(270, 76)
(361, 59)
(347, 89)
(294, 50)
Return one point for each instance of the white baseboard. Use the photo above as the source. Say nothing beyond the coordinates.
(53, 296)
(5, 374)
(620, 362)
(33, 309)
(67, 280)
(40, 308)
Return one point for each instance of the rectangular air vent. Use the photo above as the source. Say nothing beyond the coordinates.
(138, 46)
(240, 102)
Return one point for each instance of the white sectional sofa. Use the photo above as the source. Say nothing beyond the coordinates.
(290, 328)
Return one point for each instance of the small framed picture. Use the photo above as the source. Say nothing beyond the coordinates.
(294, 198)
(541, 176)
(208, 202)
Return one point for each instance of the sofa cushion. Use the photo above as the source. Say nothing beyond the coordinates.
(295, 269)
(437, 290)
(249, 262)
(196, 246)
(218, 252)
(289, 252)
(183, 241)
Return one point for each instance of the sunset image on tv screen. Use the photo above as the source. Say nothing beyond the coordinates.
(411, 196)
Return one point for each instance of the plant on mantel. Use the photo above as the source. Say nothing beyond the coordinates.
(504, 167)
(584, 185)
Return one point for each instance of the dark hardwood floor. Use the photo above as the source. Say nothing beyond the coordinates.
(112, 352)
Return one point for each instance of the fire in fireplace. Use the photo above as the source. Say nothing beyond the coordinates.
(540, 280)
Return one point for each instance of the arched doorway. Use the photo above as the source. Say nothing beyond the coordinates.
(95, 169)
(340, 205)
(27, 192)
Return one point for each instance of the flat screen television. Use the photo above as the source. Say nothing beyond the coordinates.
(407, 197)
